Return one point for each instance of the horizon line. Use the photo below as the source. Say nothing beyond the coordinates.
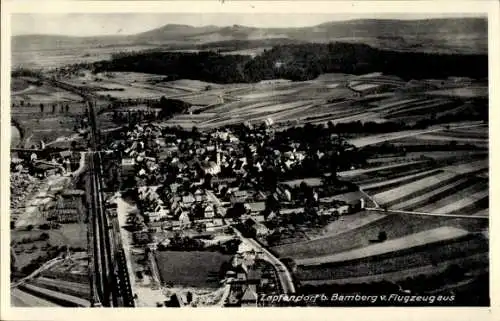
(246, 26)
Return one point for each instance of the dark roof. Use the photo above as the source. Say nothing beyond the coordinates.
(254, 274)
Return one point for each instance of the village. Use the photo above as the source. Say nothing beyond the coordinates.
(210, 191)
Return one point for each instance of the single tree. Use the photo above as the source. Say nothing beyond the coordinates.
(382, 236)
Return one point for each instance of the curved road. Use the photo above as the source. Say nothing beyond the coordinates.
(284, 275)
(429, 214)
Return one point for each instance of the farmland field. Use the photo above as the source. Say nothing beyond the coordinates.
(395, 225)
(473, 262)
(387, 248)
(72, 235)
(43, 94)
(67, 55)
(21, 298)
(346, 223)
(432, 254)
(465, 92)
(66, 287)
(47, 128)
(430, 261)
(191, 268)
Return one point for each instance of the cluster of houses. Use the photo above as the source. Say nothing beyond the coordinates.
(193, 180)
(177, 212)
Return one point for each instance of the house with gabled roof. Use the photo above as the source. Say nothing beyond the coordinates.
(250, 296)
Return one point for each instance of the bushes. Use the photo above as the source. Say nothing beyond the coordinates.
(41, 237)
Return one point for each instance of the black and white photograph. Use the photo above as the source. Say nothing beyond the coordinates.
(176, 159)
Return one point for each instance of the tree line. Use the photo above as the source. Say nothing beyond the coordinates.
(298, 62)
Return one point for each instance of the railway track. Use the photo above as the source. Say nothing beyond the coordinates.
(110, 284)
(111, 277)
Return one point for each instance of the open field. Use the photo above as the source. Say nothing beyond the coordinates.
(395, 225)
(465, 92)
(379, 187)
(56, 296)
(472, 262)
(427, 196)
(350, 197)
(345, 224)
(30, 93)
(197, 269)
(332, 102)
(404, 243)
(247, 52)
(20, 298)
(71, 235)
(317, 101)
(431, 254)
(51, 58)
(67, 287)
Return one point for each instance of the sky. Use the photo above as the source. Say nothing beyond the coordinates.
(131, 23)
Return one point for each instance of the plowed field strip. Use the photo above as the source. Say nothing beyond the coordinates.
(480, 186)
(433, 195)
(463, 203)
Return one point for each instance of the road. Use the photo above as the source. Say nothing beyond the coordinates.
(44, 267)
(284, 275)
(429, 214)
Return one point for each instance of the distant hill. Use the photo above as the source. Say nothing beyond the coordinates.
(452, 35)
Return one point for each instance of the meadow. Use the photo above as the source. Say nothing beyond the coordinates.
(196, 269)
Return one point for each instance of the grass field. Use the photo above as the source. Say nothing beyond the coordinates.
(345, 224)
(395, 226)
(45, 94)
(465, 92)
(390, 247)
(432, 254)
(473, 262)
(72, 235)
(20, 298)
(196, 269)
(429, 184)
(67, 287)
